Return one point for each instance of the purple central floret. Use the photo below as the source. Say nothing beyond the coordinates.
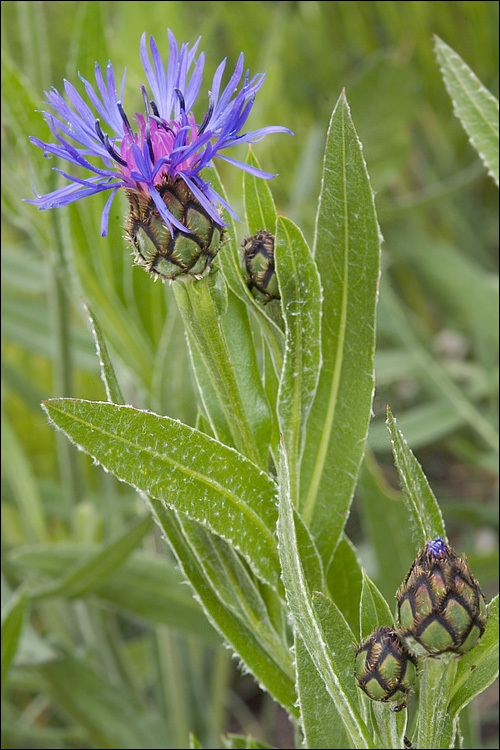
(167, 142)
(436, 547)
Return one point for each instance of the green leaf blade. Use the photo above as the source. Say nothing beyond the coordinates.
(306, 620)
(345, 582)
(225, 363)
(320, 720)
(109, 712)
(479, 668)
(241, 638)
(12, 623)
(93, 571)
(347, 254)
(108, 376)
(187, 470)
(374, 610)
(260, 210)
(300, 291)
(473, 104)
(424, 511)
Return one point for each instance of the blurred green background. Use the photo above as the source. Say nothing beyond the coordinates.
(121, 656)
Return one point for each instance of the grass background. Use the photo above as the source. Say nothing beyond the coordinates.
(97, 665)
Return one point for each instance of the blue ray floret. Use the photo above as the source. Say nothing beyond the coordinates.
(166, 142)
(436, 547)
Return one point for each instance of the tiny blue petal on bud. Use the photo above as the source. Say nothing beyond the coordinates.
(436, 547)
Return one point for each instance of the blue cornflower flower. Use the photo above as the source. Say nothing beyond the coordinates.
(157, 156)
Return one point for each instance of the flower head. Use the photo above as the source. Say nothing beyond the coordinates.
(258, 257)
(384, 669)
(164, 145)
(441, 608)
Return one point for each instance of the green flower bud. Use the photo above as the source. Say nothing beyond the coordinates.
(384, 669)
(258, 256)
(167, 254)
(441, 607)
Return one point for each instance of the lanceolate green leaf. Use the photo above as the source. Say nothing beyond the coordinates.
(300, 291)
(479, 668)
(260, 213)
(474, 106)
(277, 681)
(235, 587)
(374, 610)
(320, 720)
(260, 210)
(344, 582)
(306, 621)
(346, 251)
(385, 516)
(185, 469)
(230, 256)
(222, 341)
(425, 514)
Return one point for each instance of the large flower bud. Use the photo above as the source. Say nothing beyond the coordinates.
(384, 669)
(168, 254)
(440, 604)
(258, 256)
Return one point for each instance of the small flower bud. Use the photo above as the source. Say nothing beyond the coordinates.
(384, 669)
(441, 607)
(258, 256)
(169, 252)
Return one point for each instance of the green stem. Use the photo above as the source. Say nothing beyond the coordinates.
(390, 724)
(201, 317)
(434, 727)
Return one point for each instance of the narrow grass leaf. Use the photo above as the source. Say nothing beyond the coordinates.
(347, 253)
(18, 471)
(434, 372)
(243, 742)
(108, 377)
(187, 470)
(300, 291)
(12, 623)
(146, 587)
(110, 714)
(474, 106)
(426, 518)
(92, 572)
